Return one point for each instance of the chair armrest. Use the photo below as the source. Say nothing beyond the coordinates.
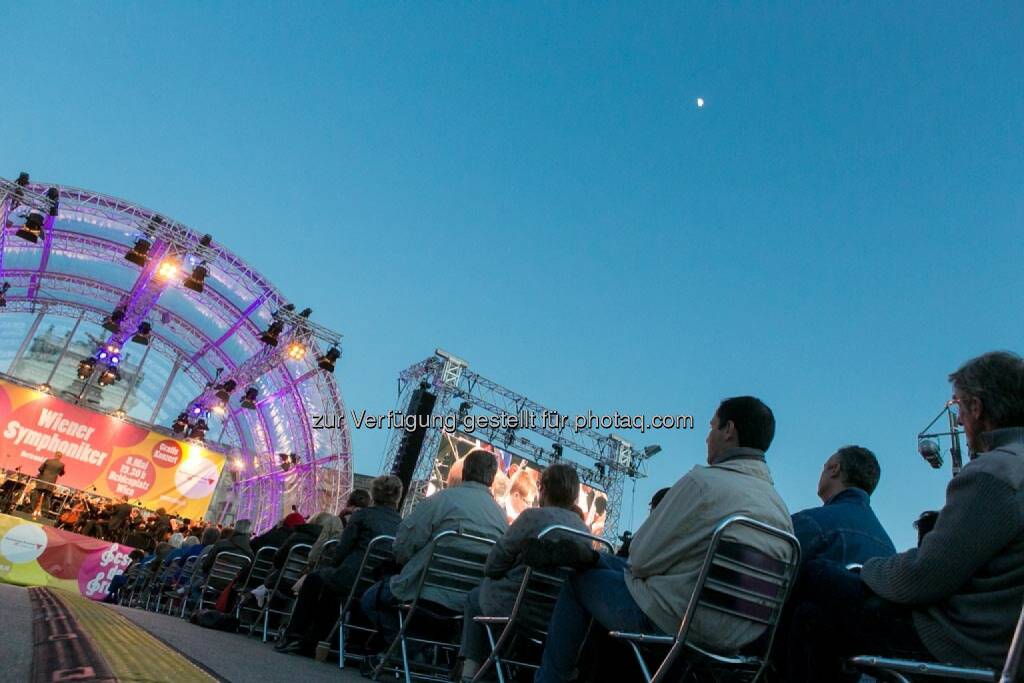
(923, 668)
(491, 620)
(643, 637)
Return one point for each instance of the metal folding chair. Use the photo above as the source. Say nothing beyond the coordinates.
(455, 564)
(142, 579)
(162, 582)
(736, 579)
(262, 565)
(184, 578)
(897, 670)
(324, 550)
(294, 566)
(531, 612)
(226, 568)
(378, 552)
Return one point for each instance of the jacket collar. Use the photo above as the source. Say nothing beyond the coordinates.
(1007, 436)
(850, 495)
(740, 453)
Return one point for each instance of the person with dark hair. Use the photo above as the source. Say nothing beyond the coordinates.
(955, 598)
(357, 500)
(321, 593)
(468, 508)
(559, 488)
(844, 529)
(649, 592)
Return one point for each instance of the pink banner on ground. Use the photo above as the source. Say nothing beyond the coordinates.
(35, 555)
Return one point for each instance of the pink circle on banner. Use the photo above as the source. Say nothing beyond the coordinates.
(167, 453)
(99, 567)
(131, 475)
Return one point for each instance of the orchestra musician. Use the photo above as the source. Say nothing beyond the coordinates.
(51, 470)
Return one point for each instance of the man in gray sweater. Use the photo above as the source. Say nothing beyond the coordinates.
(956, 598)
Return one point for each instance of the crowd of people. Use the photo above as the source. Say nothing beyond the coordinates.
(953, 599)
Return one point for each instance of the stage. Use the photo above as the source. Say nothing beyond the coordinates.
(33, 554)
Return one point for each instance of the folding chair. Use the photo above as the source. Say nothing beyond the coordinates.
(894, 669)
(294, 566)
(531, 612)
(324, 550)
(378, 552)
(131, 581)
(184, 577)
(142, 580)
(226, 568)
(455, 564)
(736, 579)
(162, 581)
(262, 565)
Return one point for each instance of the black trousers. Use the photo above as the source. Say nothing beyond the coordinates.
(833, 616)
(316, 609)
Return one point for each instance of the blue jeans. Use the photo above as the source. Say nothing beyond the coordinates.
(600, 593)
(379, 605)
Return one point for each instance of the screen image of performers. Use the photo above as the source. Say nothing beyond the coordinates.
(49, 472)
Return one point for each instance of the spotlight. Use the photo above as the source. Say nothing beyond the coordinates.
(326, 361)
(86, 367)
(197, 278)
(510, 436)
(139, 254)
(294, 458)
(249, 401)
(224, 390)
(557, 451)
(219, 409)
(108, 376)
(45, 388)
(205, 240)
(306, 312)
(198, 430)
(600, 469)
(464, 409)
(237, 464)
(296, 351)
(21, 182)
(3, 294)
(180, 424)
(168, 269)
(33, 228)
(113, 323)
(119, 414)
(273, 332)
(54, 196)
(284, 461)
(197, 411)
(115, 359)
(143, 334)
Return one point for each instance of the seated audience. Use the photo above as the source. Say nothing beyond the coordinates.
(118, 583)
(558, 489)
(331, 527)
(468, 508)
(231, 541)
(273, 537)
(956, 598)
(844, 529)
(649, 592)
(358, 499)
(319, 599)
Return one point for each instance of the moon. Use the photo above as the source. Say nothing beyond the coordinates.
(700, 102)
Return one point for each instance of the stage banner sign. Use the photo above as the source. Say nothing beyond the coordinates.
(35, 555)
(118, 458)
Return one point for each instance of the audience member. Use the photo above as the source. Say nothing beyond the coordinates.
(957, 597)
(356, 500)
(468, 508)
(558, 490)
(331, 527)
(650, 592)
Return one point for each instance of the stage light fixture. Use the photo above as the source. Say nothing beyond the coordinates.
(139, 254)
(306, 312)
(53, 194)
(113, 322)
(326, 361)
(196, 280)
(168, 269)
(219, 409)
(556, 451)
(270, 337)
(86, 366)
(224, 390)
(33, 228)
(249, 400)
(45, 388)
(108, 376)
(180, 424)
(198, 430)
(115, 359)
(119, 414)
(3, 294)
(143, 334)
(284, 461)
(197, 410)
(296, 351)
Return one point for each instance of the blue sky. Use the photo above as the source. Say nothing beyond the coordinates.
(532, 187)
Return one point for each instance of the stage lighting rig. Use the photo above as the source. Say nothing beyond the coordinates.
(249, 399)
(556, 451)
(168, 268)
(114, 320)
(3, 295)
(224, 390)
(180, 423)
(196, 280)
(296, 350)
(139, 254)
(306, 312)
(273, 333)
(198, 430)
(143, 334)
(86, 366)
(32, 231)
(109, 375)
(326, 362)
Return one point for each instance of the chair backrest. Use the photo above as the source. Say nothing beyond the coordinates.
(455, 564)
(226, 568)
(379, 551)
(188, 568)
(262, 563)
(539, 590)
(295, 563)
(325, 549)
(1011, 668)
(741, 580)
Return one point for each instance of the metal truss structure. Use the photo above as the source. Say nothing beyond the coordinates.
(604, 461)
(76, 272)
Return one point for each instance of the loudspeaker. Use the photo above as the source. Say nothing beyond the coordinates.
(421, 405)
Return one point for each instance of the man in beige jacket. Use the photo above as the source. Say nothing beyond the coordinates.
(649, 593)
